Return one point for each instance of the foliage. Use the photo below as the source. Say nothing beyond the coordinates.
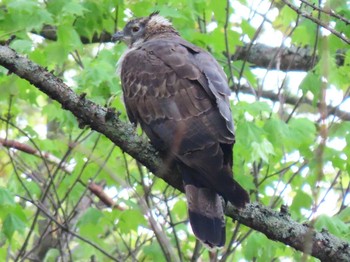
(286, 153)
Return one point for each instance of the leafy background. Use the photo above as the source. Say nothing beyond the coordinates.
(67, 192)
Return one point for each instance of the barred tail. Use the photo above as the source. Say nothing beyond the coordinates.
(206, 213)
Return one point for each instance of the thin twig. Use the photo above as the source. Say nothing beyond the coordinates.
(329, 12)
(317, 21)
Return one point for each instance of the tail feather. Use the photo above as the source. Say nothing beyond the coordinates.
(230, 189)
(206, 213)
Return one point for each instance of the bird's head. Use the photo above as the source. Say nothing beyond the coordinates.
(141, 29)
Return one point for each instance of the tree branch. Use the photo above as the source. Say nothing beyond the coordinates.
(279, 58)
(98, 191)
(33, 151)
(279, 226)
(324, 245)
(317, 21)
(293, 100)
(259, 55)
(50, 32)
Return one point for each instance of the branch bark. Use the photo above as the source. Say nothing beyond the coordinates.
(277, 226)
(50, 32)
(282, 58)
(293, 100)
(259, 55)
(33, 151)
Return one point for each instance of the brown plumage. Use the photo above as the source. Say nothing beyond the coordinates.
(179, 94)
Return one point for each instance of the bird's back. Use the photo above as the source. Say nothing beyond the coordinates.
(178, 93)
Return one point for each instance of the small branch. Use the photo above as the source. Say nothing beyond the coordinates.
(325, 11)
(32, 151)
(66, 229)
(317, 21)
(98, 191)
(227, 46)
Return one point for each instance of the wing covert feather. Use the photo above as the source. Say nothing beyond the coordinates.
(165, 84)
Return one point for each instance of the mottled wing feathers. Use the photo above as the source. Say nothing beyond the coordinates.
(157, 89)
(179, 95)
(193, 63)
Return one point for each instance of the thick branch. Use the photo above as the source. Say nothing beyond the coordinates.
(293, 100)
(259, 55)
(279, 226)
(280, 58)
(276, 226)
(50, 32)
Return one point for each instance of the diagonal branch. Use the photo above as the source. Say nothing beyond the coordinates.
(277, 226)
(317, 21)
(33, 151)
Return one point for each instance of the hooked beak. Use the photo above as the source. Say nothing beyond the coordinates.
(118, 36)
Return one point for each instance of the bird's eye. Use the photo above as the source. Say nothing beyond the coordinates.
(135, 29)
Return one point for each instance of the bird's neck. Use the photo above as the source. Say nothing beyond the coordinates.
(161, 32)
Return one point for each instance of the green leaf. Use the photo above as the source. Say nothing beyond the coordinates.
(249, 132)
(219, 9)
(301, 200)
(91, 216)
(22, 46)
(6, 198)
(55, 7)
(68, 38)
(285, 18)
(12, 223)
(277, 132)
(52, 255)
(304, 33)
(256, 109)
(180, 209)
(22, 5)
(73, 8)
(55, 53)
(333, 224)
(27, 14)
(152, 252)
(262, 150)
(250, 141)
(83, 252)
(303, 132)
(258, 248)
(339, 130)
(216, 39)
(312, 82)
(130, 220)
(344, 215)
(248, 29)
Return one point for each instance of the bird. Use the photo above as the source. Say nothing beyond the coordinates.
(179, 95)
